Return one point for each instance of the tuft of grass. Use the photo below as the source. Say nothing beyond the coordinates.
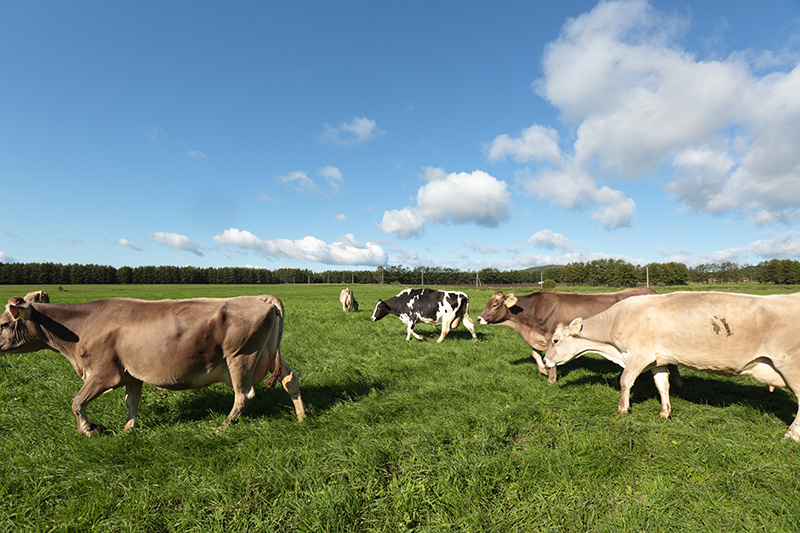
(401, 436)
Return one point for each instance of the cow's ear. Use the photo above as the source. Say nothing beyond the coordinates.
(18, 312)
(576, 326)
(511, 301)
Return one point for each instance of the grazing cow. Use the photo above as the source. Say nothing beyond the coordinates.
(536, 315)
(170, 344)
(723, 333)
(37, 296)
(347, 300)
(448, 308)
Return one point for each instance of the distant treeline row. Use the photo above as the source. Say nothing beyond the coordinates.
(603, 272)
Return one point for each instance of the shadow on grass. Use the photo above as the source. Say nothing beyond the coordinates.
(696, 389)
(198, 405)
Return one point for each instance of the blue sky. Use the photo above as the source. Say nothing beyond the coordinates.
(339, 135)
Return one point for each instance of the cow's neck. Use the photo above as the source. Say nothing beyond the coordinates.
(60, 324)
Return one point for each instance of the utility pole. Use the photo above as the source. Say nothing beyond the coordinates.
(647, 269)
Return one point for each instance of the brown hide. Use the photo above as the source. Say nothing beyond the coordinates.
(171, 344)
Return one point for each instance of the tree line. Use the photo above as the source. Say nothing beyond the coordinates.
(601, 272)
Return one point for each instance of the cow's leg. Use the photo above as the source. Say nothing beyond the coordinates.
(675, 376)
(410, 331)
(470, 325)
(635, 366)
(661, 378)
(91, 389)
(537, 356)
(791, 375)
(291, 383)
(446, 321)
(243, 390)
(133, 393)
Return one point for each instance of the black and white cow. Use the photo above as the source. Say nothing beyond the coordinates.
(448, 308)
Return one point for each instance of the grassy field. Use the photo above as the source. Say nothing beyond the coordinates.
(401, 436)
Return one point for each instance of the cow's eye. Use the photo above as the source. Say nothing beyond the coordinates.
(555, 341)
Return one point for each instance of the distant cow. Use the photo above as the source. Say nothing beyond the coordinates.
(536, 315)
(347, 300)
(170, 344)
(37, 296)
(448, 308)
(723, 333)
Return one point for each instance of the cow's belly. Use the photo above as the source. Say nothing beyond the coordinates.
(433, 321)
(173, 374)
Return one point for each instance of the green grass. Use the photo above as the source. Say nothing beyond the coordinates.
(401, 436)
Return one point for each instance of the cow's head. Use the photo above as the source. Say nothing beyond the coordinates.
(16, 331)
(498, 308)
(381, 310)
(565, 345)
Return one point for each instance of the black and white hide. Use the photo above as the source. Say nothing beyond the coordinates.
(448, 308)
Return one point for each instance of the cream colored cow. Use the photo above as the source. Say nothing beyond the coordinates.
(724, 333)
(347, 300)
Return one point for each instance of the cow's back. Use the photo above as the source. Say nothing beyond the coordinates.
(547, 309)
(718, 325)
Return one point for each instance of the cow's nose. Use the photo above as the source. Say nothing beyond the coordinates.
(481, 320)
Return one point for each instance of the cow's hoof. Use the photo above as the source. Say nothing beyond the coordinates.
(95, 429)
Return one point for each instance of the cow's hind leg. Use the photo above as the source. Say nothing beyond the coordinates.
(291, 383)
(791, 375)
(133, 393)
(446, 321)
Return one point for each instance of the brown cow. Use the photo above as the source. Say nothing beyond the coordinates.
(170, 344)
(536, 315)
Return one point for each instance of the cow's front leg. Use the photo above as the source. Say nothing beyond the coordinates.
(410, 331)
(661, 378)
(537, 356)
(133, 393)
(628, 378)
(91, 389)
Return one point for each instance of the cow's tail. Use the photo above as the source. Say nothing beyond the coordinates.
(278, 372)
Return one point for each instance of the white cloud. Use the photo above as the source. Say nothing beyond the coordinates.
(5, 258)
(300, 182)
(485, 249)
(357, 131)
(576, 190)
(176, 242)
(475, 197)
(404, 223)
(196, 154)
(786, 246)
(344, 251)
(129, 244)
(721, 136)
(334, 178)
(458, 198)
(551, 240)
(534, 143)
(341, 218)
